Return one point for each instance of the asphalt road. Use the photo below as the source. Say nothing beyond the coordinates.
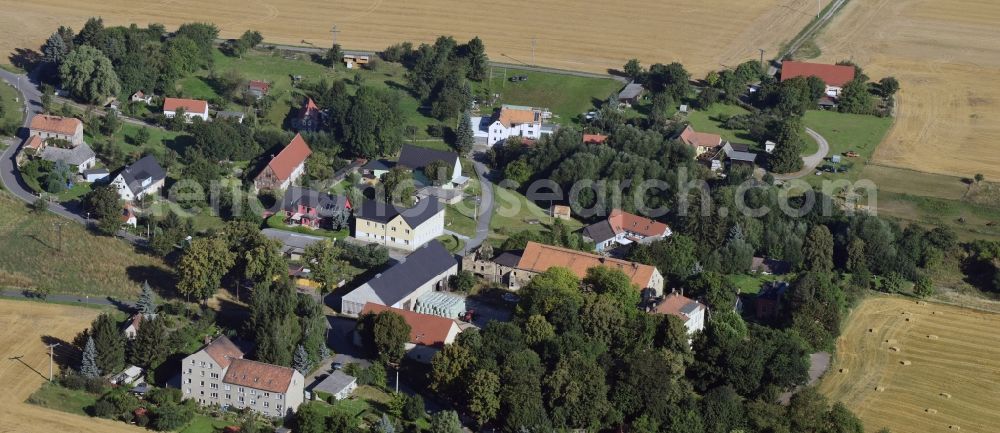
(486, 205)
(809, 162)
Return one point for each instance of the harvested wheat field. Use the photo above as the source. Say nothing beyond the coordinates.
(568, 34)
(945, 371)
(23, 325)
(946, 54)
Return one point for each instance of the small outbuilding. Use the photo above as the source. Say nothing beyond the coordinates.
(338, 385)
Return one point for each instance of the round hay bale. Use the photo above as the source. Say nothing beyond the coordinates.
(880, 388)
(954, 427)
(904, 362)
(938, 313)
(844, 370)
(929, 410)
(945, 395)
(932, 337)
(907, 319)
(894, 348)
(891, 341)
(870, 330)
(921, 303)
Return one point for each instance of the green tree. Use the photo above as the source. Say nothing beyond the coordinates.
(300, 361)
(888, 86)
(398, 186)
(445, 421)
(325, 265)
(110, 344)
(478, 62)
(104, 204)
(414, 408)
(856, 258)
(374, 123)
(171, 416)
(632, 69)
(855, 98)
(448, 366)
(537, 329)
(147, 301)
(464, 136)
(142, 136)
(924, 287)
(88, 364)
(484, 396)
(385, 335)
(463, 281)
(148, 348)
(334, 55)
(89, 75)
(787, 154)
(818, 249)
(54, 50)
(201, 268)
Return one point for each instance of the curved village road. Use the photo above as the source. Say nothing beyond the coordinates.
(9, 174)
(809, 162)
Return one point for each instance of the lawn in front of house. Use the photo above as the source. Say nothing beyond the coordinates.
(459, 217)
(749, 284)
(54, 396)
(13, 111)
(451, 242)
(712, 120)
(515, 213)
(278, 68)
(567, 96)
(849, 132)
(277, 221)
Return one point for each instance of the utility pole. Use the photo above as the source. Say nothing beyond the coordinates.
(819, 8)
(761, 57)
(534, 42)
(59, 225)
(334, 30)
(52, 348)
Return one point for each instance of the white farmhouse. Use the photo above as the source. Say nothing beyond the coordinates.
(191, 107)
(514, 121)
(140, 179)
(405, 228)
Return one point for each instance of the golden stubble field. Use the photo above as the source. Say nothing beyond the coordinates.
(952, 382)
(22, 326)
(946, 54)
(591, 36)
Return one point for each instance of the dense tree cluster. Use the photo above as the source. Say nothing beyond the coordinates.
(104, 61)
(579, 354)
(437, 73)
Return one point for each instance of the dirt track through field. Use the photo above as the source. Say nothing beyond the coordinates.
(22, 326)
(592, 36)
(946, 54)
(953, 378)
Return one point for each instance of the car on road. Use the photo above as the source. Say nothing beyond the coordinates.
(336, 366)
(510, 297)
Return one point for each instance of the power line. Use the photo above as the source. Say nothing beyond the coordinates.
(334, 30)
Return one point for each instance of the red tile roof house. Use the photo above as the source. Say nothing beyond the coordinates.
(192, 108)
(835, 76)
(691, 312)
(310, 208)
(428, 333)
(310, 117)
(595, 138)
(538, 258)
(258, 88)
(623, 228)
(57, 127)
(218, 375)
(285, 167)
(701, 142)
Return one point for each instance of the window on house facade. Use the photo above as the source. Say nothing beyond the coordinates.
(228, 387)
